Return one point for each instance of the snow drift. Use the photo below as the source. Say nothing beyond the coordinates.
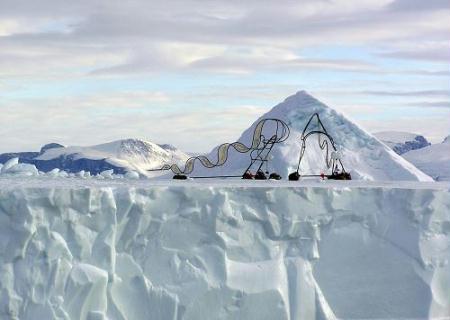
(13, 169)
(434, 160)
(193, 251)
(363, 155)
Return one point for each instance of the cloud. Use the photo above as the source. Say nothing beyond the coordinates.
(419, 5)
(430, 104)
(432, 52)
(278, 60)
(434, 128)
(432, 73)
(157, 36)
(418, 93)
(432, 55)
(187, 53)
(97, 118)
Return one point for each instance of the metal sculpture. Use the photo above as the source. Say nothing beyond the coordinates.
(325, 140)
(267, 133)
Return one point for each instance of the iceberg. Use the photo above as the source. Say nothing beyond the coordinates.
(146, 249)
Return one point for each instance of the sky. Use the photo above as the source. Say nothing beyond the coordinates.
(195, 73)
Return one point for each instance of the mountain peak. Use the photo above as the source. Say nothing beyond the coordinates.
(297, 103)
(133, 142)
(167, 146)
(301, 95)
(134, 145)
(50, 146)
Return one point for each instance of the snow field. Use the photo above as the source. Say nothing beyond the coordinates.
(434, 160)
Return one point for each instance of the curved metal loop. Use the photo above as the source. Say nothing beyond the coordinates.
(324, 144)
(279, 132)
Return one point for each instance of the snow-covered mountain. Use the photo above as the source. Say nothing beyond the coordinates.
(119, 156)
(402, 142)
(27, 157)
(128, 154)
(363, 155)
(434, 160)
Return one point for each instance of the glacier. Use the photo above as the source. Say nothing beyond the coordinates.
(145, 249)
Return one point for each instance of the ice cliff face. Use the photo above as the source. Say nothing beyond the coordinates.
(220, 252)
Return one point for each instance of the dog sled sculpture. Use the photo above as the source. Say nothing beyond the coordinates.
(267, 133)
(332, 155)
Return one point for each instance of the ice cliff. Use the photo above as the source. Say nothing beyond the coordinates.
(192, 251)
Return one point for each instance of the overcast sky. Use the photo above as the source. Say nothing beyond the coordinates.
(196, 73)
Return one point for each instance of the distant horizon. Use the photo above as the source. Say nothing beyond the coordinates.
(193, 151)
(197, 74)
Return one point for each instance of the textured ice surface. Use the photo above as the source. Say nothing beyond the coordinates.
(192, 251)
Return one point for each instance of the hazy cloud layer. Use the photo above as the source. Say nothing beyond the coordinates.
(152, 36)
(419, 93)
(90, 66)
